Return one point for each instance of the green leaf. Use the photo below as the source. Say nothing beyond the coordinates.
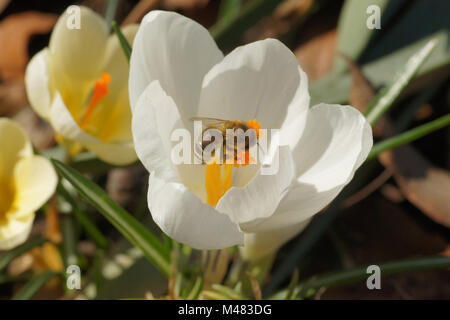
(196, 289)
(10, 255)
(353, 34)
(228, 9)
(34, 285)
(123, 41)
(291, 288)
(409, 136)
(153, 249)
(226, 32)
(110, 10)
(84, 219)
(385, 99)
(355, 275)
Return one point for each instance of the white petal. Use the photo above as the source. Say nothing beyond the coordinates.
(78, 53)
(336, 141)
(260, 244)
(261, 196)
(260, 80)
(154, 119)
(34, 181)
(182, 216)
(14, 145)
(175, 50)
(37, 84)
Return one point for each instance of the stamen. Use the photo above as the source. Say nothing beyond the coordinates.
(217, 184)
(100, 90)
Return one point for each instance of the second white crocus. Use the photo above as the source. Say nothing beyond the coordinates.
(176, 73)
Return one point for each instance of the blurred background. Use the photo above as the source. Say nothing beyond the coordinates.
(398, 207)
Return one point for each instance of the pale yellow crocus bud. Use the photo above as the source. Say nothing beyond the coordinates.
(26, 182)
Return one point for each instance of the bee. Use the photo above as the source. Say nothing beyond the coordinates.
(232, 146)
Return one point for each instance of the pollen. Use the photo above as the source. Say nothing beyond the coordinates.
(255, 125)
(101, 89)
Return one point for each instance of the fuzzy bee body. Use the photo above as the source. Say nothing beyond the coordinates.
(229, 131)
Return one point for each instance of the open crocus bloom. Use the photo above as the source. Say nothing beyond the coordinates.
(79, 84)
(177, 73)
(26, 183)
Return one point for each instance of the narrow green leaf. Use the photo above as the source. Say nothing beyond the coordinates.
(84, 219)
(409, 136)
(10, 255)
(34, 285)
(110, 11)
(229, 292)
(228, 31)
(291, 288)
(123, 41)
(228, 9)
(385, 99)
(133, 230)
(196, 289)
(355, 275)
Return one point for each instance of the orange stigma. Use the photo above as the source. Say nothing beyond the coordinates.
(100, 90)
(216, 182)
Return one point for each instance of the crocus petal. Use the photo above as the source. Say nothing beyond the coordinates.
(261, 196)
(260, 80)
(185, 218)
(37, 84)
(336, 141)
(260, 244)
(14, 145)
(154, 119)
(15, 232)
(64, 123)
(176, 51)
(75, 53)
(34, 181)
(115, 153)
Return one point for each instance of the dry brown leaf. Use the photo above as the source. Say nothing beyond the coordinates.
(12, 97)
(139, 11)
(317, 55)
(183, 4)
(424, 185)
(15, 33)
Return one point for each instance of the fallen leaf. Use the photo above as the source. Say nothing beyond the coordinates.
(15, 33)
(424, 185)
(317, 55)
(183, 4)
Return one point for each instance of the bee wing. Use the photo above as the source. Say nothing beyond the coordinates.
(206, 122)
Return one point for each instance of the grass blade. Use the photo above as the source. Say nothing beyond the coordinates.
(34, 285)
(10, 255)
(385, 99)
(196, 289)
(110, 11)
(153, 249)
(409, 136)
(123, 41)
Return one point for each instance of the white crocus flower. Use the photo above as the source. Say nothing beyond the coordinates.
(26, 182)
(178, 73)
(79, 84)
